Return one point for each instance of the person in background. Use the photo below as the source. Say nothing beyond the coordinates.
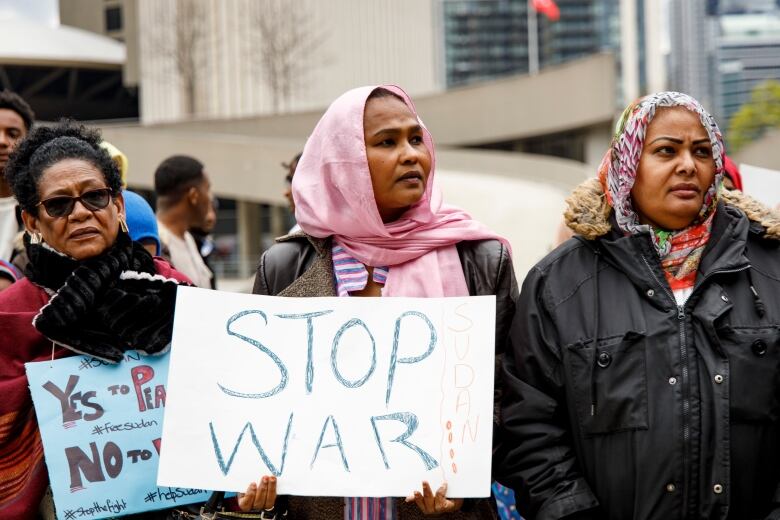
(8, 274)
(16, 120)
(137, 210)
(139, 215)
(732, 179)
(119, 158)
(184, 201)
(642, 379)
(141, 222)
(205, 241)
(374, 225)
(290, 167)
(89, 290)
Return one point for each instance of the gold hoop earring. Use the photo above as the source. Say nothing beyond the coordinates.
(123, 225)
(36, 238)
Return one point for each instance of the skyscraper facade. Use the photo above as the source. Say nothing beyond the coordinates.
(722, 49)
(486, 39)
(747, 54)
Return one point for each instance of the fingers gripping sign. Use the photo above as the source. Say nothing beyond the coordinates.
(435, 504)
(259, 496)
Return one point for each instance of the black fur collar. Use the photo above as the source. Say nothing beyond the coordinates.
(106, 305)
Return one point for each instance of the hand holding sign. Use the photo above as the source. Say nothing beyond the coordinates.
(431, 504)
(258, 496)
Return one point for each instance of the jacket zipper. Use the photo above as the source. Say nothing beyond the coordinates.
(686, 404)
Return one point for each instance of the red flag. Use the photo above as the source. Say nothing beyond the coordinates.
(547, 8)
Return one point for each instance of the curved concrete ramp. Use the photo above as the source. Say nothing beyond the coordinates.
(573, 95)
(518, 195)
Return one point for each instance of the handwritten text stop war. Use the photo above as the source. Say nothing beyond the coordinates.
(330, 426)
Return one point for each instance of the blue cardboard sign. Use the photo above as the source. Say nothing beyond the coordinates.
(101, 426)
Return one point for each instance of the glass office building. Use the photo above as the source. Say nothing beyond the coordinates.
(747, 54)
(488, 39)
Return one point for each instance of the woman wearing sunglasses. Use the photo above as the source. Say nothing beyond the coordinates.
(89, 290)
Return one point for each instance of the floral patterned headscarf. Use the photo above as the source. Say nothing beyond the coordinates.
(680, 250)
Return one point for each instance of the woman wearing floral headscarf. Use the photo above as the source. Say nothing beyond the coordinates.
(642, 379)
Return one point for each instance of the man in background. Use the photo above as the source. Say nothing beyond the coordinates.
(184, 200)
(16, 119)
(205, 241)
(290, 167)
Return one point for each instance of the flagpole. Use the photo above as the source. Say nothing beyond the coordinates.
(533, 40)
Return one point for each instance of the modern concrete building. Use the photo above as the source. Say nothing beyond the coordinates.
(64, 71)
(235, 58)
(492, 137)
(116, 19)
(502, 188)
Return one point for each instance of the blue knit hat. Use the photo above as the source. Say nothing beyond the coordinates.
(140, 218)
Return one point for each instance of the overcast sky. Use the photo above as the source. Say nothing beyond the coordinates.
(44, 11)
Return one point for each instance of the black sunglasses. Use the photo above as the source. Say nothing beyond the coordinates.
(62, 206)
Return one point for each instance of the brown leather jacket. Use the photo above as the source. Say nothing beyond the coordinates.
(302, 266)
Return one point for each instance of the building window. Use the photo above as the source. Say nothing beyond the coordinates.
(113, 19)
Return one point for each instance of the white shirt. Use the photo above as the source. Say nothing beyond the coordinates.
(185, 256)
(8, 226)
(681, 295)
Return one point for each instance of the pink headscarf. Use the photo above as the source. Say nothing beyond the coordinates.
(334, 197)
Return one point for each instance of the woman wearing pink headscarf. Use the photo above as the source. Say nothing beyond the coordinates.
(374, 225)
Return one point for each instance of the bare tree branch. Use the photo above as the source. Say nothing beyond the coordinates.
(190, 32)
(287, 42)
(185, 48)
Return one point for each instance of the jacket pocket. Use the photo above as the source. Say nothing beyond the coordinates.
(609, 383)
(754, 369)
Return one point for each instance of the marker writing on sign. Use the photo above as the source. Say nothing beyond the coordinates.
(395, 359)
(69, 401)
(94, 465)
(408, 419)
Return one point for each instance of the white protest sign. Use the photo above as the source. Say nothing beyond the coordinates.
(762, 184)
(336, 396)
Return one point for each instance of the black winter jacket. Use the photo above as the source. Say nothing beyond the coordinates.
(302, 266)
(620, 404)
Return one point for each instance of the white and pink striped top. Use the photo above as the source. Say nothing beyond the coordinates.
(352, 276)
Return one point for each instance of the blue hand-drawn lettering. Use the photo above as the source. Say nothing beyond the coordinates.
(334, 352)
(262, 348)
(394, 360)
(338, 444)
(225, 467)
(411, 422)
(309, 316)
